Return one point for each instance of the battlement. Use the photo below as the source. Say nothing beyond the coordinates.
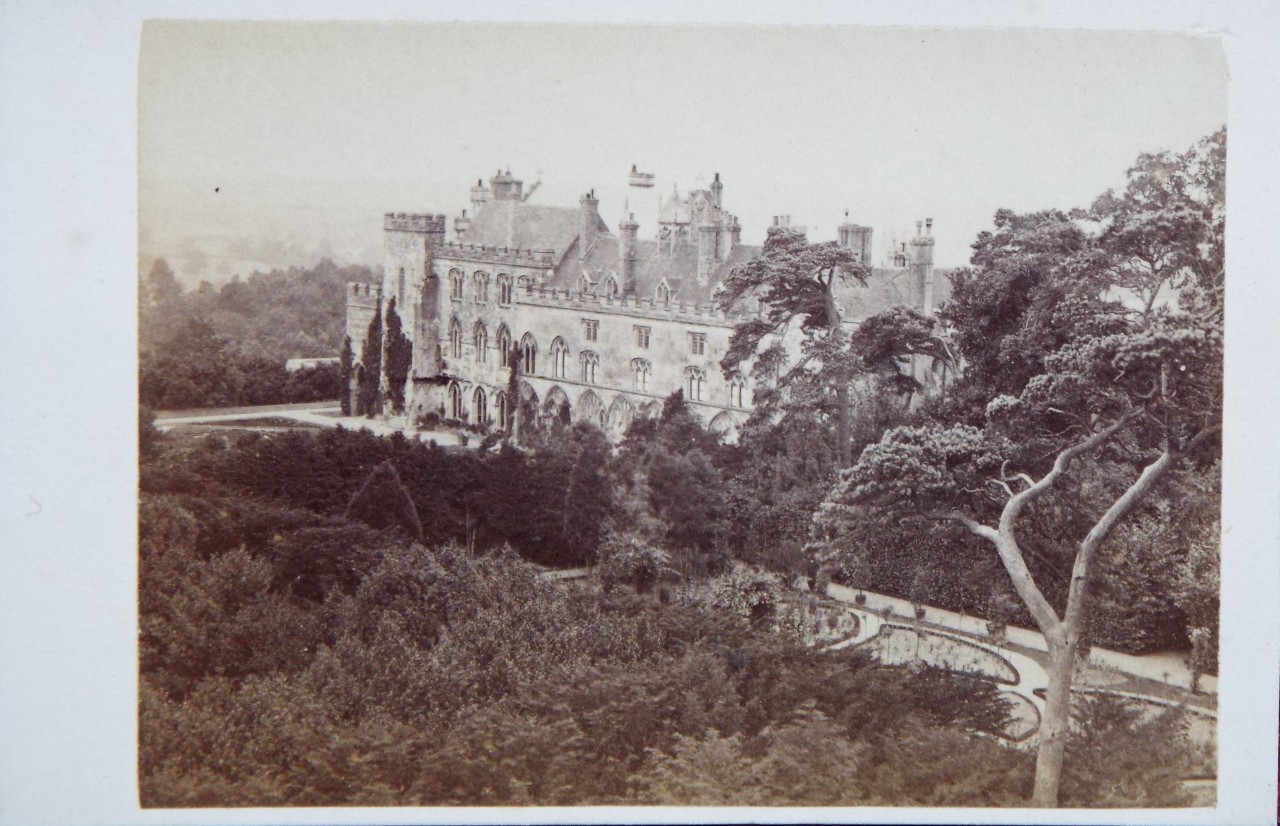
(362, 294)
(629, 305)
(413, 223)
(520, 257)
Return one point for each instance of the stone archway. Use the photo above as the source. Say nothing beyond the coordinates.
(525, 419)
(724, 426)
(650, 410)
(556, 409)
(621, 413)
(590, 409)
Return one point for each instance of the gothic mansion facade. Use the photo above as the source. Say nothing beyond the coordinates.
(606, 325)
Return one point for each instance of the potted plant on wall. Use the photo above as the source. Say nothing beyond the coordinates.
(999, 608)
(859, 571)
(919, 592)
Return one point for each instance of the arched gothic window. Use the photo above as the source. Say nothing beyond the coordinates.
(694, 379)
(479, 407)
(482, 286)
(664, 293)
(455, 284)
(504, 411)
(611, 288)
(480, 337)
(640, 370)
(559, 359)
(455, 338)
(528, 354)
(589, 362)
(456, 410)
(504, 289)
(504, 346)
(586, 285)
(737, 390)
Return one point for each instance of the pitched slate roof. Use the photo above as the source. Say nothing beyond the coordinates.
(517, 224)
(653, 265)
(888, 288)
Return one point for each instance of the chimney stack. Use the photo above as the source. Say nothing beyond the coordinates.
(856, 238)
(628, 229)
(706, 252)
(479, 195)
(461, 224)
(588, 223)
(922, 263)
(506, 187)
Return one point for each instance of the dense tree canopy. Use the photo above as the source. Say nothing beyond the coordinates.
(226, 347)
(1077, 402)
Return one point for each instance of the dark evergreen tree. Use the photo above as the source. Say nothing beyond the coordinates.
(370, 385)
(345, 359)
(399, 358)
(383, 502)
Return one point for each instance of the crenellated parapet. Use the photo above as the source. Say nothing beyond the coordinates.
(488, 254)
(407, 222)
(362, 294)
(630, 305)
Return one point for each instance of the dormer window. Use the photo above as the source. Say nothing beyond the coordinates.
(611, 288)
(586, 285)
(664, 293)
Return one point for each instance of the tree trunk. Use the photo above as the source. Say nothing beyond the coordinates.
(844, 398)
(846, 427)
(1054, 728)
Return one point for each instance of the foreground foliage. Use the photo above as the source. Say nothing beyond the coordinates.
(291, 655)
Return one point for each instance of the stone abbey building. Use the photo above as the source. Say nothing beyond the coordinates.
(607, 324)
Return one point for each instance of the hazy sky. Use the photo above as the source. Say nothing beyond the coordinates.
(311, 131)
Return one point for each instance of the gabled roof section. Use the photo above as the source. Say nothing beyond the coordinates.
(516, 224)
(889, 287)
(653, 264)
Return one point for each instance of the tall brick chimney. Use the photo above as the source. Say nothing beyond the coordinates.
(628, 229)
(856, 238)
(588, 221)
(506, 187)
(479, 195)
(461, 224)
(706, 252)
(922, 263)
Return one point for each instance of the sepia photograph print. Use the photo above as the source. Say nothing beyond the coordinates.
(620, 415)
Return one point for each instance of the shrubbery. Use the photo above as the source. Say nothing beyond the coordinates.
(291, 656)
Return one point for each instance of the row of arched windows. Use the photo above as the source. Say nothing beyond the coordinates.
(588, 362)
(480, 286)
(479, 413)
(507, 286)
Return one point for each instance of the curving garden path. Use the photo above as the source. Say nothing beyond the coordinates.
(1168, 668)
(1030, 680)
